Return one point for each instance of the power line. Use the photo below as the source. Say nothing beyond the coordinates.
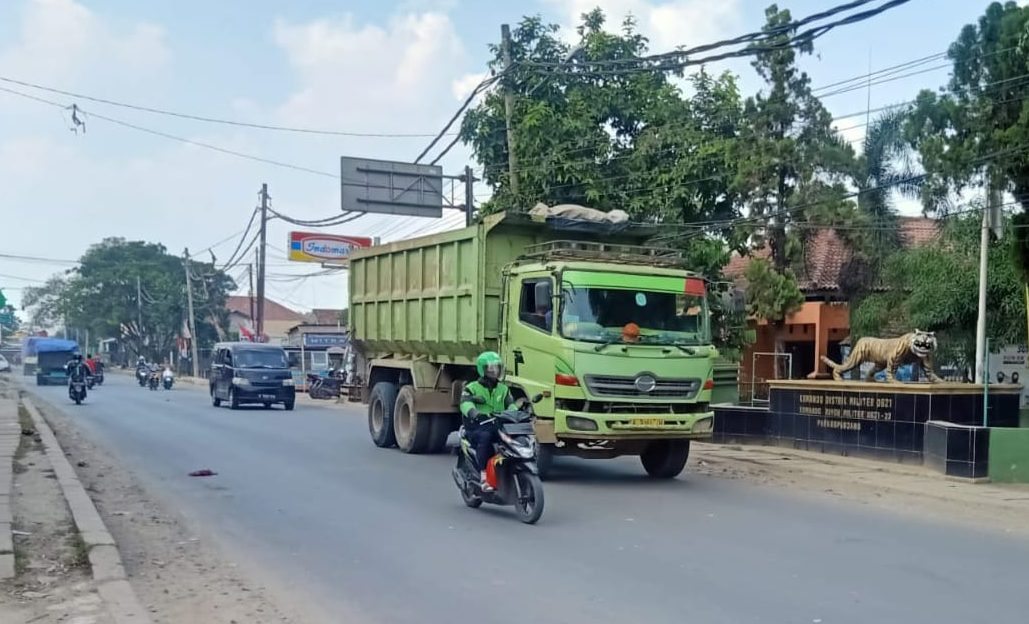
(483, 85)
(233, 256)
(38, 259)
(215, 120)
(173, 137)
(794, 39)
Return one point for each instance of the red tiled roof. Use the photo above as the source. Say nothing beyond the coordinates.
(826, 254)
(273, 311)
(326, 316)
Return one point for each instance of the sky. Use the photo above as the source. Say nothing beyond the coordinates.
(384, 67)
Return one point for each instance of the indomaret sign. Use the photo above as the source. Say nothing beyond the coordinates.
(324, 248)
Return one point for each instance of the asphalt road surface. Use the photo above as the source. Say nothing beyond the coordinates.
(377, 536)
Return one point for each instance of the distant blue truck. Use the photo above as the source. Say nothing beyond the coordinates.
(47, 358)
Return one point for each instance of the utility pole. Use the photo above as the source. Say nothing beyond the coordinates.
(512, 160)
(469, 195)
(991, 218)
(139, 311)
(250, 278)
(261, 262)
(192, 318)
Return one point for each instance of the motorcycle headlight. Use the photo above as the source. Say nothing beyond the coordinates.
(288, 382)
(241, 381)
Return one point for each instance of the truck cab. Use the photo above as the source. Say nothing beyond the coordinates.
(618, 342)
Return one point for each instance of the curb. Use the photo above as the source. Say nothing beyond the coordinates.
(104, 559)
(10, 437)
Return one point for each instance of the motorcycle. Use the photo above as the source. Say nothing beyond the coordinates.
(77, 388)
(319, 387)
(142, 373)
(167, 379)
(511, 471)
(153, 380)
(98, 376)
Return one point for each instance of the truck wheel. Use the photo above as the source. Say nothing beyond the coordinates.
(544, 459)
(665, 459)
(440, 430)
(381, 404)
(412, 429)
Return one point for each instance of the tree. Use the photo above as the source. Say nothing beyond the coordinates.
(882, 172)
(44, 302)
(934, 288)
(136, 291)
(980, 121)
(772, 295)
(792, 164)
(629, 141)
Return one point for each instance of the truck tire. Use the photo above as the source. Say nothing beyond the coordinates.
(381, 404)
(412, 429)
(440, 430)
(665, 459)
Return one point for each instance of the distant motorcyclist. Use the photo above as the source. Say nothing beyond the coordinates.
(495, 397)
(76, 368)
(91, 364)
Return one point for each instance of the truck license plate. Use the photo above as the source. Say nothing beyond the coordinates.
(647, 422)
(267, 396)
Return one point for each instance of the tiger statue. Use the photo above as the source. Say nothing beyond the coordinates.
(889, 353)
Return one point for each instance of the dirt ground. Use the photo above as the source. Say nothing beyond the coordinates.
(899, 488)
(179, 576)
(53, 581)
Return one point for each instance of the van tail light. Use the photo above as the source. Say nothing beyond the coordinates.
(709, 384)
(564, 379)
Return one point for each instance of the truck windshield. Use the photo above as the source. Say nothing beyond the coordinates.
(607, 314)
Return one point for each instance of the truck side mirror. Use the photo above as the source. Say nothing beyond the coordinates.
(537, 398)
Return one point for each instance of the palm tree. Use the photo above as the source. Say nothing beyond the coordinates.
(884, 169)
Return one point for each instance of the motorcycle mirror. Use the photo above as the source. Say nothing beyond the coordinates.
(537, 398)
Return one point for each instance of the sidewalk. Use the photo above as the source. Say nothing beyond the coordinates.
(58, 562)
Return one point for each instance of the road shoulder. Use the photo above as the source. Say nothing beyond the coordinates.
(909, 490)
(179, 573)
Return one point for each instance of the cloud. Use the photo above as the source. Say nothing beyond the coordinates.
(385, 75)
(668, 24)
(464, 85)
(58, 38)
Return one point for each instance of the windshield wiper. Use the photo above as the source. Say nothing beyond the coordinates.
(600, 347)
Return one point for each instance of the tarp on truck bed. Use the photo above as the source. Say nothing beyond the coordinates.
(56, 345)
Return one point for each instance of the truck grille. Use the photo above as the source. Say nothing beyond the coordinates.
(642, 385)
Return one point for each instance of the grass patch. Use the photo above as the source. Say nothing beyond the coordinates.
(79, 551)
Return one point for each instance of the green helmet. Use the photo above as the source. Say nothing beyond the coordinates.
(489, 365)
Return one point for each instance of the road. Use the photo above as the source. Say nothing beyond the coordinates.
(381, 537)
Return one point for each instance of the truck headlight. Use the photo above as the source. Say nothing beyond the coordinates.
(288, 382)
(240, 381)
(705, 425)
(582, 424)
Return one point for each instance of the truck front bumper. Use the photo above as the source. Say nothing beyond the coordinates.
(584, 425)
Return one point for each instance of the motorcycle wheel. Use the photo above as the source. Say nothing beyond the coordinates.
(529, 505)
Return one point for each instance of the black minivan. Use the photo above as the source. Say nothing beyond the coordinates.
(250, 372)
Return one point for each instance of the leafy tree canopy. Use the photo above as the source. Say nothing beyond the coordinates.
(100, 295)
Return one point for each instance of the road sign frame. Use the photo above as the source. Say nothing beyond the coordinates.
(391, 187)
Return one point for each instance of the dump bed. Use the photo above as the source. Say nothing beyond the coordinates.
(439, 296)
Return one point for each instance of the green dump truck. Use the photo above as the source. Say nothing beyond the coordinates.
(615, 336)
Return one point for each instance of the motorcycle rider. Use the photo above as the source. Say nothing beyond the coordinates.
(75, 368)
(496, 397)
